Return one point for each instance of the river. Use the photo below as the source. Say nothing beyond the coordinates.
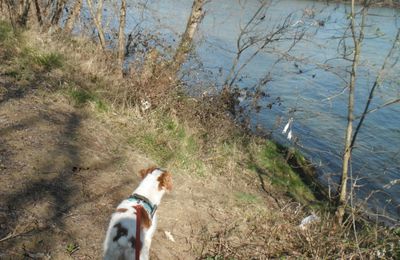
(309, 83)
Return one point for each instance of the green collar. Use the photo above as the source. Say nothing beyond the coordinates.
(145, 202)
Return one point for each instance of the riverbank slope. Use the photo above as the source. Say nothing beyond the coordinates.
(72, 143)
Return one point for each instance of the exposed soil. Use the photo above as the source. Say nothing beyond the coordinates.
(63, 171)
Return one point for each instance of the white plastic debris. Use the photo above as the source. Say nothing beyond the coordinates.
(169, 236)
(308, 220)
(289, 136)
(287, 125)
(145, 105)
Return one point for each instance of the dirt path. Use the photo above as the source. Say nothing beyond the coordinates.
(63, 171)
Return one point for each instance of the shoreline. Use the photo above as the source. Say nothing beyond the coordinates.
(380, 4)
(229, 184)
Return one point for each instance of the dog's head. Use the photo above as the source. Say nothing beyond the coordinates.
(163, 177)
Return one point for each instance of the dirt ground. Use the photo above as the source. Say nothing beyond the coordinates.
(63, 171)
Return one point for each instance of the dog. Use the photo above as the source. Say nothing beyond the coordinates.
(121, 240)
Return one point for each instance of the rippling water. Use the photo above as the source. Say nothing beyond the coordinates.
(304, 87)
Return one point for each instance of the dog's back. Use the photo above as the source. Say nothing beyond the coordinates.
(121, 241)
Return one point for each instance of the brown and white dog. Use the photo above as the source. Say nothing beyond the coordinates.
(121, 239)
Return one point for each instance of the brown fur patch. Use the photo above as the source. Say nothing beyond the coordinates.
(121, 210)
(143, 173)
(121, 231)
(165, 180)
(146, 221)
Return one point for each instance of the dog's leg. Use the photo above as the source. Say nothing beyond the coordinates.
(145, 254)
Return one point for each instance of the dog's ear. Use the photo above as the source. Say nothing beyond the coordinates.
(165, 181)
(143, 173)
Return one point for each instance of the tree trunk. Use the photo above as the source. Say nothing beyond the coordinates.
(99, 12)
(20, 6)
(121, 36)
(76, 10)
(196, 16)
(23, 18)
(342, 200)
(97, 22)
(58, 12)
(12, 12)
(38, 13)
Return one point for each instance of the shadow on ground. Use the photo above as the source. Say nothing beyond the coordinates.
(50, 167)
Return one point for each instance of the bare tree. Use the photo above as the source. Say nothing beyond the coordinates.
(12, 12)
(38, 12)
(55, 19)
(185, 45)
(350, 136)
(357, 39)
(75, 12)
(97, 21)
(257, 35)
(121, 36)
(254, 38)
(376, 84)
(23, 17)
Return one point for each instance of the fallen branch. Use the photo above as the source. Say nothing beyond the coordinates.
(12, 235)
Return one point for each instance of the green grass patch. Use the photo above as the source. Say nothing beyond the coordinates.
(12, 73)
(29, 63)
(6, 32)
(49, 61)
(247, 198)
(169, 143)
(280, 173)
(81, 97)
(9, 41)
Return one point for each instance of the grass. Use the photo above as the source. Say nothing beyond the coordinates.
(8, 41)
(49, 61)
(71, 248)
(181, 141)
(26, 63)
(6, 32)
(279, 173)
(40, 61)
(247, 198)
(169, 142)
(81, 97)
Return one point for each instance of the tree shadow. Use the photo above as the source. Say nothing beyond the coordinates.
(54, 189)
(261, 172)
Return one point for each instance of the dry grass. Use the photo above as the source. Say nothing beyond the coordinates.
(259, 193)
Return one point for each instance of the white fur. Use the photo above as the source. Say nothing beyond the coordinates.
(122, 248)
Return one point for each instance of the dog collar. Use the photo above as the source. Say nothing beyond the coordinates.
(145, 202)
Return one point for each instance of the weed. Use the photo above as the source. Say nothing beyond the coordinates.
(247, 198)
(9, 40)
(13, 73)
(101, 106)
(49, 61)
(71, 248)
(81, 96)
(6, 32)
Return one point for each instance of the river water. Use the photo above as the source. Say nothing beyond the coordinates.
(309, 83)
